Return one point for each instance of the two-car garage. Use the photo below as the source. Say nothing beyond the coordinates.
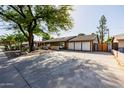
(83, 46)
(82, 43)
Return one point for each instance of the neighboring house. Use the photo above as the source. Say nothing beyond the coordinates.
(118, 48)
(83, 43)
(58, 42)
(118, 42)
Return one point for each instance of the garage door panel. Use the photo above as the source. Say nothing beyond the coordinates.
(71, 45)
(77, 45)
(86, 46)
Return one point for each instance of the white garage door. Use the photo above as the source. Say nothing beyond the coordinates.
(86, 46)
(77, 45)
(71, 45)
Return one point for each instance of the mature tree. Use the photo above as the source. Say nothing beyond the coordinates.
(101, 29)
(31, 19)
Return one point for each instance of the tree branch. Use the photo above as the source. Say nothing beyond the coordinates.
(30, 11)
(17, 11)
(4, 15)
(21, 9)
(22, 30)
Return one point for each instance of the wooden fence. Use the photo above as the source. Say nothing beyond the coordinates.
(103, 47)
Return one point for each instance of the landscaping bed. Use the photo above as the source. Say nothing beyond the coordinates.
(13, 54)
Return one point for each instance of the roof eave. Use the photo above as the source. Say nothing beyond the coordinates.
(80, 40)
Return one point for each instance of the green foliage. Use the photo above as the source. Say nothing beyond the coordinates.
(102, 28)
(46, 37)
(48, 18)
(14, 40)
(19, 37)
(109, 40)
(2, 40)
(8, 40)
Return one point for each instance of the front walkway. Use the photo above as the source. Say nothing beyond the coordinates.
(64, 69)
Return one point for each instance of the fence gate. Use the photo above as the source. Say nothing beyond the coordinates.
(103, 47)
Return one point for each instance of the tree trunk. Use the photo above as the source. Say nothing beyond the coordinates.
(31, 42)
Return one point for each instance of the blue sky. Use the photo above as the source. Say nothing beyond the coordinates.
(86, 19)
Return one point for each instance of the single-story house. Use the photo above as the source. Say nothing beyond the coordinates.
(80, 42)
(59, 42)
(83, 43)
(118, 42)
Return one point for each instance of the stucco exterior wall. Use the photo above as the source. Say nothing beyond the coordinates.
(115, 40)
(121, 44)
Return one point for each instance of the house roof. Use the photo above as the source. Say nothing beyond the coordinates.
(119, 37)
(62, 39)
(84, 38)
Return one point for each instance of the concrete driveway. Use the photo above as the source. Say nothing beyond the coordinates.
(68, 69)
(9, 76)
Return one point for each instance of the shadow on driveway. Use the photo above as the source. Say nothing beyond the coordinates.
(53, 70)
